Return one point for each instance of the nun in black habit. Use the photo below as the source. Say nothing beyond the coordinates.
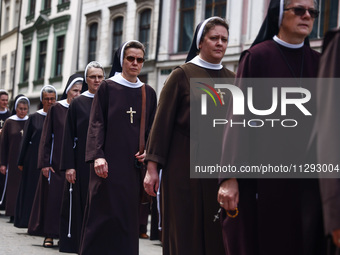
(45, 215)
(11, 137)
(4, 114)
(111, 223)
(276, 216)
(188, 204)
(28, 157)
(77, 171)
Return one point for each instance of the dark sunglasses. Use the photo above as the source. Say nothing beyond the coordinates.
(132, 59)
(300, 11)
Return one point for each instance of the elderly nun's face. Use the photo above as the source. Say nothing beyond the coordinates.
(74, 91)
(294, 28)
(132, 64)
(214, 44)
(22, 110)
(47, 100)
(94, 77)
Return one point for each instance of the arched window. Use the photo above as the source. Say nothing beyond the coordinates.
(92, 42)
(117, 35)
(144, 29)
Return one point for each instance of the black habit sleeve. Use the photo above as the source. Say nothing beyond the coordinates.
(69, 140)
(4, 144)
(97, 125)
(27, 136)
(171, 99)
(46, 140)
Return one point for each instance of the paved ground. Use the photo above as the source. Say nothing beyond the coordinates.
(16, 241)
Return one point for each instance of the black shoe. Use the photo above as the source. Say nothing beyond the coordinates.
(48, 242)
(11, 219)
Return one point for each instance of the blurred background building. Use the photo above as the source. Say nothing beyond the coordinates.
(45, 41)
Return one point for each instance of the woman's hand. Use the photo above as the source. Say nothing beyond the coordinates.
(46, 171)
(101, 167)
(228, 194)
(151, 180)
(70, 175)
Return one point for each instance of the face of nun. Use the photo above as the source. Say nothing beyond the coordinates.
(3, 102)
(130, 70)
(294, 29)
(22, 110)
(214, 44)
(74, 91)
(93, 79)
(47, 100)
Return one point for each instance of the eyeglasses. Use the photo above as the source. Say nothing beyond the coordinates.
(132, 59)
(94, 77)
(300, 11)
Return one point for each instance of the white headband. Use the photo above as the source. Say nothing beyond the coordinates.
(281, 12)
(22, 97)
(200, 31)
(48, 86)
(73, 82)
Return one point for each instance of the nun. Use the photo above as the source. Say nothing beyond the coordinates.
(4, 114)
(45, 216)
(28, 157)
(77, 171)
(118, 127)
(281, 214)
(11, 137)
(188, 205)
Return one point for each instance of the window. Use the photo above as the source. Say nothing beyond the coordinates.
(117, 34)
(92, 42)
(327, 19)
(47, 4)
(3, 70)
(215, 8)
(7, 12)
(144, 29)
(186, 24)
(13, 53)
(31, 7)
(27, 61)
(16, 13)
(42, 59)
(59, 55)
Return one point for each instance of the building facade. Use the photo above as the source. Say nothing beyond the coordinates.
(60, 37)
(106, 25)
(10, 15)
(48, 45)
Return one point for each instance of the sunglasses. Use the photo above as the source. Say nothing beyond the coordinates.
(300, 11)
(132, 59)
